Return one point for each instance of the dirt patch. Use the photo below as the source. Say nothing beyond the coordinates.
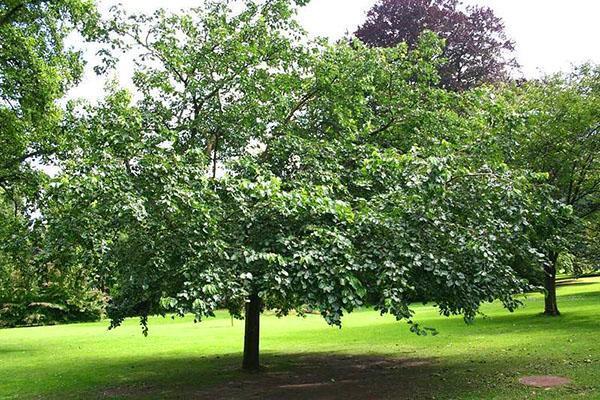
(331, 377)
(544, 381)
(128, 391)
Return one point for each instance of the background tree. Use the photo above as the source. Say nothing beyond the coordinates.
(36, 69)
(554, 129)
(564, 141)
(477, 49)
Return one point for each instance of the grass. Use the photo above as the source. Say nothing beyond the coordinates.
(479, 361)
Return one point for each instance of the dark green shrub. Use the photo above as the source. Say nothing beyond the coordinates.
(48, 297)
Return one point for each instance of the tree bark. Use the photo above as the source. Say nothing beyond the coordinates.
(252, 334)
(551, 307)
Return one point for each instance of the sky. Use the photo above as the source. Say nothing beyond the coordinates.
(550, 35)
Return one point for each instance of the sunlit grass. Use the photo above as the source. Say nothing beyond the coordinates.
(479, 361)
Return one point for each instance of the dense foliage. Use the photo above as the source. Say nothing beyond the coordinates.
(36, 70)
(254, 168)
(258, 169)
(35, 288)
(477, 49)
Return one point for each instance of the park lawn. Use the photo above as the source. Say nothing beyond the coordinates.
(179, 358)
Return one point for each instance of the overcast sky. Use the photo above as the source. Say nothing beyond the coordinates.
(551, 35)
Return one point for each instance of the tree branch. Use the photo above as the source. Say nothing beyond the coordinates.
(305, 99)
(385, 127)
(24, 157)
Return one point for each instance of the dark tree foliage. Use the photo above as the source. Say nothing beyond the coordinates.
(36, 70)
(477, 48)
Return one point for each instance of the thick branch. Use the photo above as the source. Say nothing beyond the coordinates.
(383, 128)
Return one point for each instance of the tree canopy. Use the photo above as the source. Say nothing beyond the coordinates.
(347, 177)
(36, 69)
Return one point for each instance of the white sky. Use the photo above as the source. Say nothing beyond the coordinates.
(551, 35)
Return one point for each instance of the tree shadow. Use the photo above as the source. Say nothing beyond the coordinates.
(324, 376)
(317, 375)
(307, 375)
(8, 350)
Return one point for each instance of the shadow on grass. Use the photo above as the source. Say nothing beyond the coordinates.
(316, 374)
(310, 376)
(325, 375)
(8, 350)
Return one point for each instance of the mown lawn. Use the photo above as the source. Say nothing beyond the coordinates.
(180, 359)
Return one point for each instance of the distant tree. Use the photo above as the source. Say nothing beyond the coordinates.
(563, 140)
(555, 129)
(36, 70)
(477, 48)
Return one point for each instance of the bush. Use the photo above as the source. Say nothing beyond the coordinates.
(48, 297)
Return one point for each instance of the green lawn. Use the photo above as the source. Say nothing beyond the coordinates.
(480, 361)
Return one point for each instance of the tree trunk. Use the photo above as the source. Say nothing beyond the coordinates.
(551, 307)
(252, 334)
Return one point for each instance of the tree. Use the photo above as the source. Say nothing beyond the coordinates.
(561, 137)
(477, 49)
(35, 70)
(348, 178)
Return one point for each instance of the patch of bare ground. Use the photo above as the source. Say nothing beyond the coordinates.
(326, 377)
(544, 381)
(127, 391)
(315, 377)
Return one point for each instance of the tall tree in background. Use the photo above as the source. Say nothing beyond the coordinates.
(477, 48)
(561, 137)
(36, 70)
(553, 129)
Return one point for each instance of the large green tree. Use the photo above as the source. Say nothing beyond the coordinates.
(260, 170)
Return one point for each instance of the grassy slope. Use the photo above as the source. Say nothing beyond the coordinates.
(483, 360)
